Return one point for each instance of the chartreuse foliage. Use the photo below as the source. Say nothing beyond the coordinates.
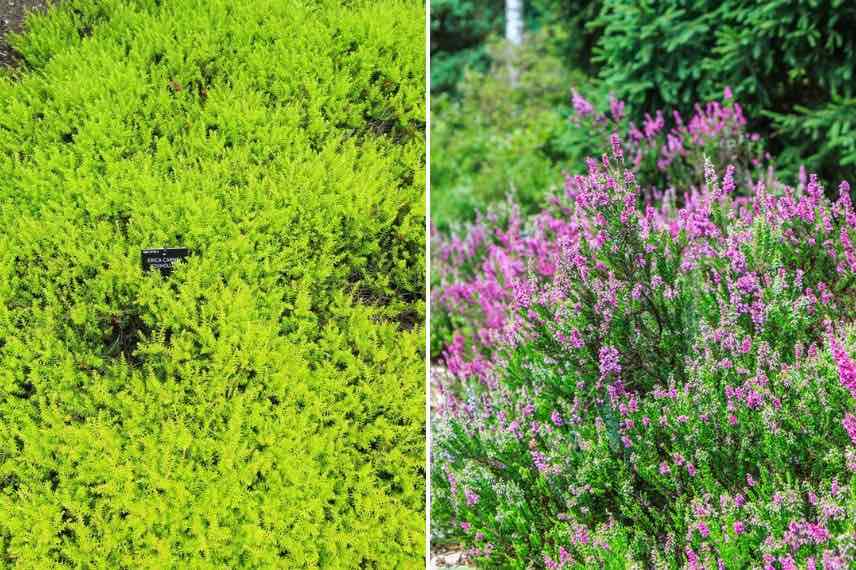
(263, 406)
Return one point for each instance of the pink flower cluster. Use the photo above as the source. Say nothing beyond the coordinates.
(717, 126)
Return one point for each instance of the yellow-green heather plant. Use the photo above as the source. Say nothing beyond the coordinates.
(262, 407)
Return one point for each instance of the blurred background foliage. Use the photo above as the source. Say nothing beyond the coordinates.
(789, 63)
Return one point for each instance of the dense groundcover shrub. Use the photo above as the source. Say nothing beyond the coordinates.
(263, 406)
(644, 379)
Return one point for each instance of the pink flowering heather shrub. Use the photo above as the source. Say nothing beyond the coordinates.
(667, 149)
(666, 380)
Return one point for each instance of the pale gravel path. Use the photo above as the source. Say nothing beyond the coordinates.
(448, 559)
(443, 557)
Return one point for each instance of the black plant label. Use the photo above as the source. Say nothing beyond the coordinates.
(163, 259)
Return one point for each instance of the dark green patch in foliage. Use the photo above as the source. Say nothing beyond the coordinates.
(790, 63)
(263, 406)
(462, 30)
